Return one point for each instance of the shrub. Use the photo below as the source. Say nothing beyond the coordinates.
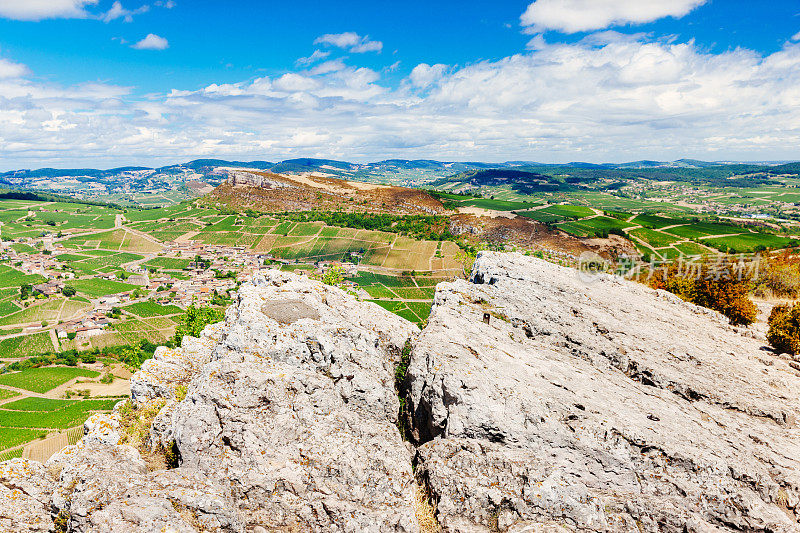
(723, 287)
(778, 276)
(68, 291)
(784, 328)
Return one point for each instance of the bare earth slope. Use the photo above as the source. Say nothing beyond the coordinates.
(586, 405)
(599, 404)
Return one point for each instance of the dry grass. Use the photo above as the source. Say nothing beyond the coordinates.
(425, 512)
(136, 424)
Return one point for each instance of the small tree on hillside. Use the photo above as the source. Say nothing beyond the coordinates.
(784, 328)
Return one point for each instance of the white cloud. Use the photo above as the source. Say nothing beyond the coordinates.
(572, 16)
(318, 55)
(117, 11)
(44, 9)
(152, 42)
(350, 40)
(367, 46)
(424, 74)
(342, 40)
(328, 67)
(607, 97)
(796, 37)
(9, 69)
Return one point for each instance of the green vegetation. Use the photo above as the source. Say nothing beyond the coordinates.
(656, 239)
(169, 263)
(750, 242)
(197, 318)
(10, 437)
(70, 414)
(25, 345)
(96, 287)
(5, 394)
(43, 379)
(150, 309)
(11, 277)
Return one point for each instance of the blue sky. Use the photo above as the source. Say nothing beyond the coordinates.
(98, 83)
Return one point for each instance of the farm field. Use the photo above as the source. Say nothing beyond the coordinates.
(57, 416)
(96, 287)
(45, 378)
(168, 263)
(26, 345)
(151, 309)
(11, 277)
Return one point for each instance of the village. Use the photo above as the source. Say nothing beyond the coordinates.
(213, 272)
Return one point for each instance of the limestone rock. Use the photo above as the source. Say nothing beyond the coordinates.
(600, 405)
(298, 409)
(25, 488)
(288, 424)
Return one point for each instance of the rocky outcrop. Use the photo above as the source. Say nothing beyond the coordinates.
(288, 424)
(536, 400)
(540, 396)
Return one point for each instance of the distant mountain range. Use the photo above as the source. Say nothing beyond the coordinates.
(333, 166)
(530, 176)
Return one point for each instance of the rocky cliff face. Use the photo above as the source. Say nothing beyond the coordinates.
(534, 401)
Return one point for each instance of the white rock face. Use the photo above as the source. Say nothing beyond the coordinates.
(602, 406)
(289, 424)
(580, 406)
(298, 409)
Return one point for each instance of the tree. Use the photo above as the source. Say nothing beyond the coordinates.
(334, 276)
(68, 290)
(25, 291)
(195, 319)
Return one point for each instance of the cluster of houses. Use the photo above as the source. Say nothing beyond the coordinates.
(196, 284)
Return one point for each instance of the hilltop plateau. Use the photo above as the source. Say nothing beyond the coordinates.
(267, 191)
(535, 399)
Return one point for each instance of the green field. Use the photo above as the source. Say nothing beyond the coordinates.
(151, 309)
(57, 417)
(25, 345)
(169, 263)
(10, 437)
(43, 379)
(656, 239)
(593, 226)
(96, 287)
(702, 229)
(32, 403)
(5, 394)
(749, 242)
(657, 222)
(558, 213)
(11, 277)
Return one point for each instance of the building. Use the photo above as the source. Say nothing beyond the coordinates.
(139, 279)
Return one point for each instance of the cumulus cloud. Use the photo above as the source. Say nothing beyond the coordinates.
(318, 55)
(796, 37)
(44, 9)
(152, 42)
(9, 69)
(352, 41)
(328, 66)
(605, 97)
(424, 74)
(117, 11)
(571, 16)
